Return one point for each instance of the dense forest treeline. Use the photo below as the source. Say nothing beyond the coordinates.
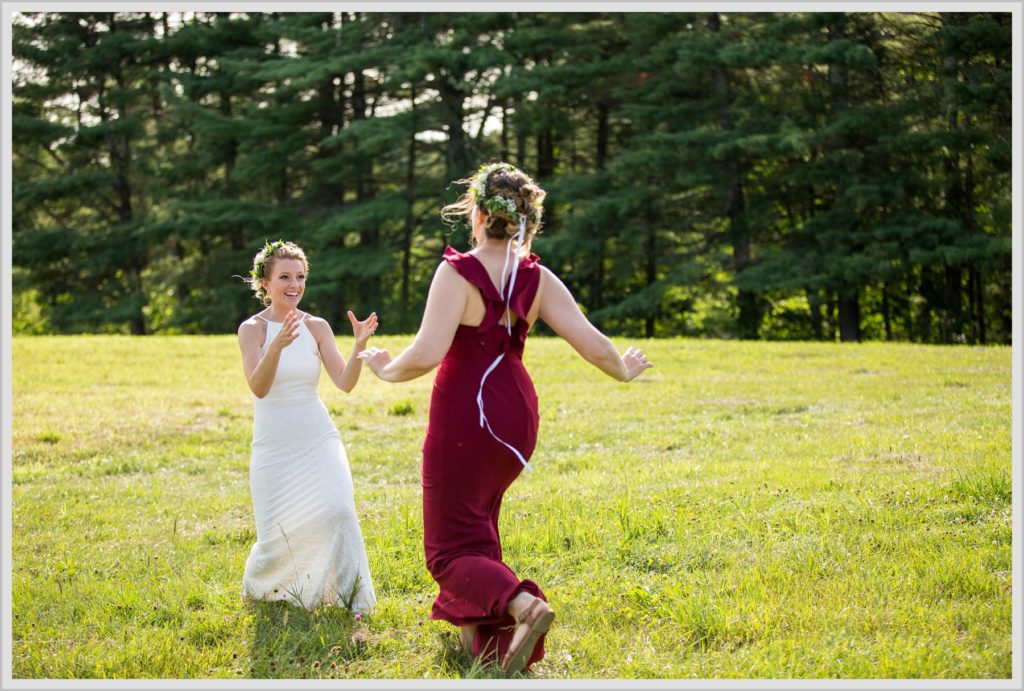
(766, 175)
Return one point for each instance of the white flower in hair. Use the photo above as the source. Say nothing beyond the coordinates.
(495, 203)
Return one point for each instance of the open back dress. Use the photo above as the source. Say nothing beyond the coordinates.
(470, 458)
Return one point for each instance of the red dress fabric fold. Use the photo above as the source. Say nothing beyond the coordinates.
(466, 470)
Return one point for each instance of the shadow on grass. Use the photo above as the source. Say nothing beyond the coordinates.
(289, 642)
(454, 661)
(293, 643)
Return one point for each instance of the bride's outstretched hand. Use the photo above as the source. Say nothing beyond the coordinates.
(635, 362)
(375, 358)
(362, 330)
(288, 333)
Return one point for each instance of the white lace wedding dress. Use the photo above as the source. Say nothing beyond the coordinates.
(309, 549)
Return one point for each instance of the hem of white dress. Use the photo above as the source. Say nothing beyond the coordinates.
(249, 599)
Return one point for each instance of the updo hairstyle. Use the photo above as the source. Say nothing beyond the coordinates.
(505, 194)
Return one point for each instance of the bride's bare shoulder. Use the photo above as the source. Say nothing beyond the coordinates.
(253, 328)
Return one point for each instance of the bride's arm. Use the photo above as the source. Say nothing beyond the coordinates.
(446, 303)
(345, 375)
(260, 370)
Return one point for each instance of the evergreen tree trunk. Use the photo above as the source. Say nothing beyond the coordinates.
(156, 101)
(115, 113)
(814, 304)
(601, 145)
(231, 153)
(651, 256)
(952, 302)
(970, 225)
(457, 160)
(885, 312)
(546, 154)
(369, 235)
(979, 303)
(410, 221)
(849, 307)
(600, 158)
(505, 153)
(749, 316)
(749, 319)
(924, 320)
(363, 191)
(331, 111)
(282, 183)
(238, 237)
(545, 171)
(521, 147)
(830, 317)
(849, 319)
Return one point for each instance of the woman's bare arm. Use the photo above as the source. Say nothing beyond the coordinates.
(260, 370)
(345, 375)
(559, 310)
(446, 303)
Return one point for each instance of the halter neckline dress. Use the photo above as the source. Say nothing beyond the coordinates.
(309, 549)
(467, 467)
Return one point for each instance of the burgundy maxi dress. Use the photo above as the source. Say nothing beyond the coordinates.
(466, 470)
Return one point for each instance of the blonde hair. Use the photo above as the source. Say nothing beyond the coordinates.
(505, 194)
(263, 265)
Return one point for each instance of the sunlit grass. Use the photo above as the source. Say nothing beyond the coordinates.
(770, 510)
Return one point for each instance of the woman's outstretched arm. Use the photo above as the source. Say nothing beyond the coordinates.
(344, 374)
(446, 303)
(559, 310)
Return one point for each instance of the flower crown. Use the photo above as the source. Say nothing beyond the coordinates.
(261, 258)
(496, 202)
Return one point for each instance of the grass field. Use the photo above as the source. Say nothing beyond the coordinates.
(764, 510)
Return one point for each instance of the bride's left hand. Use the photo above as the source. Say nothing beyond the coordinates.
(376, 359)
(362, 330)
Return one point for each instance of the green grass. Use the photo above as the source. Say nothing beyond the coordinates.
(767, 510)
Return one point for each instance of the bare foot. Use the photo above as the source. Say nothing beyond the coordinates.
(466, 634)
(519, 603)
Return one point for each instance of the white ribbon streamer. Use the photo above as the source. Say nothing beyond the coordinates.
(507, 297)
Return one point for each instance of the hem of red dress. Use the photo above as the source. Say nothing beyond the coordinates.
(502, 607)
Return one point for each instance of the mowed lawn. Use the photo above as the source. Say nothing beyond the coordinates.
(745, 509)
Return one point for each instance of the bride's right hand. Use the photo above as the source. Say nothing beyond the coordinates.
(288, 333)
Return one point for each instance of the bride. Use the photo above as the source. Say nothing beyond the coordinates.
(309, 549)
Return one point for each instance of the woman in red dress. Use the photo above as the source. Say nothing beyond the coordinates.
(482, 426)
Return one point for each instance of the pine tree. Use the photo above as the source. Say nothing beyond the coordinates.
(225, 181)
(755, 175)
(87, 238)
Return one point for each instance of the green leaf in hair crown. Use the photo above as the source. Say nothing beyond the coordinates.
(271, 247)
(268, 249)
(495, 203)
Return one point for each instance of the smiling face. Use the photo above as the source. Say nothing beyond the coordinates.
(287, 282)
